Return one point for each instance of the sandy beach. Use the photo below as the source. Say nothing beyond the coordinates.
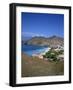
(40, 56)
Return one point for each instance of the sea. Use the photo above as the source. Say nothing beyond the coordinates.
(33, 49)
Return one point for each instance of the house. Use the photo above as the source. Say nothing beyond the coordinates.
(60, 57)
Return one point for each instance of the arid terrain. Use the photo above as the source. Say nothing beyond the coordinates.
(33, 66)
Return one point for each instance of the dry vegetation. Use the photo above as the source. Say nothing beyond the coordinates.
(33, 66)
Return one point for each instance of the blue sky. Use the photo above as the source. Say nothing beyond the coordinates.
(41, 24)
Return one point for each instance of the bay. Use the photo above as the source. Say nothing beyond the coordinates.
(33, 49)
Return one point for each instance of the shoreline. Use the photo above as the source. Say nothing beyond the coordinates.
(41, 54)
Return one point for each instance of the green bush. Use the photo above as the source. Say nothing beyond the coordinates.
(61, 51)
(52, 54)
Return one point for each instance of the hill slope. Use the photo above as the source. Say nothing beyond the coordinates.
(54, 40)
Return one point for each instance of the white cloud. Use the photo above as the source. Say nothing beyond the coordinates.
(31, 34)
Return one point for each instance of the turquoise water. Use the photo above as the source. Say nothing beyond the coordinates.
(33, 49)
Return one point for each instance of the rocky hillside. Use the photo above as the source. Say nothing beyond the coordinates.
(54, 40)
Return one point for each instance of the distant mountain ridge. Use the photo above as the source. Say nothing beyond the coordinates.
(53, 40)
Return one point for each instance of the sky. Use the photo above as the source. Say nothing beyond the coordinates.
(41, 24)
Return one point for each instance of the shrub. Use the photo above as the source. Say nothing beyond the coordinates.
(61, 51)
(52, 54)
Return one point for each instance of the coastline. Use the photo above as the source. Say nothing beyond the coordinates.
(40, 55)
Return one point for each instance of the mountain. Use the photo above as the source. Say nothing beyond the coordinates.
(42, 41)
